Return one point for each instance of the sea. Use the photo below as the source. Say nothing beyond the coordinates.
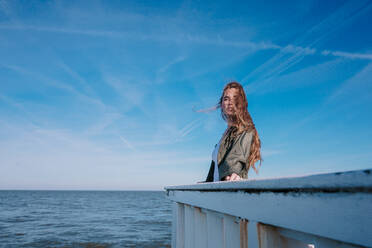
(91, 219)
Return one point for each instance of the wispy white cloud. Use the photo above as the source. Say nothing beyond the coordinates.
(80, 80)
(20, 111)
(131, 92)
(56, 158)
(126, 142)
(98, 127)
(306, 43)
(171, 63)
(165, 133)
(88, 32)
(357, 86)
(344, 15)
(366, 56)
(56, 84)
(11, 102)
(205, 110)
(190, 127)
(298, 51)
(133, 95)
(317, 74)
(160, 77)
(96, 124)
(178, 37)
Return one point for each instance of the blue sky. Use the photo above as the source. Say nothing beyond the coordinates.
(100, 94)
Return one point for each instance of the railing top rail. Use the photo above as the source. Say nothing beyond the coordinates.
(349, 181)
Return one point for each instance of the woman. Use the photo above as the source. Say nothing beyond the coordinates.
(239, 147)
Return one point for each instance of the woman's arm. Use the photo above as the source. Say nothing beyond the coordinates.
(236, 159)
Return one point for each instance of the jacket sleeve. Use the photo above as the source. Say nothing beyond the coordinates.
(235, 160)
(246, 142)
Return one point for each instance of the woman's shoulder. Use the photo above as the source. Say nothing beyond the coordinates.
(246, 134)
(245, 138)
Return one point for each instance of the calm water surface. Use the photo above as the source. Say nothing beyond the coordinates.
(84, 219)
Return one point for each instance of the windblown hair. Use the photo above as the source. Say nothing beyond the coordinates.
(242, 121)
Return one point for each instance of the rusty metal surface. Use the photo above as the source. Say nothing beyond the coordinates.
(243, 233)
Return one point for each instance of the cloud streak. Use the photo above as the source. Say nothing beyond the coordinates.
(44, 155)
(190, 127)
(127, 143)
(360, 83)
(305, 44)
(297, 50)
(365, 56)
(56, 84)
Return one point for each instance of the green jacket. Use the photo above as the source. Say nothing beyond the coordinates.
(232, 156)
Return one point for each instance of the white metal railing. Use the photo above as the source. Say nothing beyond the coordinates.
(327, 210)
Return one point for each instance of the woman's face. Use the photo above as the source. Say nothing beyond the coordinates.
(228, 101)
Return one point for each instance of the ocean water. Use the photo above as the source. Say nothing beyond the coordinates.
(84, 219)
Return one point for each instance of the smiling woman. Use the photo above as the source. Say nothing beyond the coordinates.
(239, 148)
